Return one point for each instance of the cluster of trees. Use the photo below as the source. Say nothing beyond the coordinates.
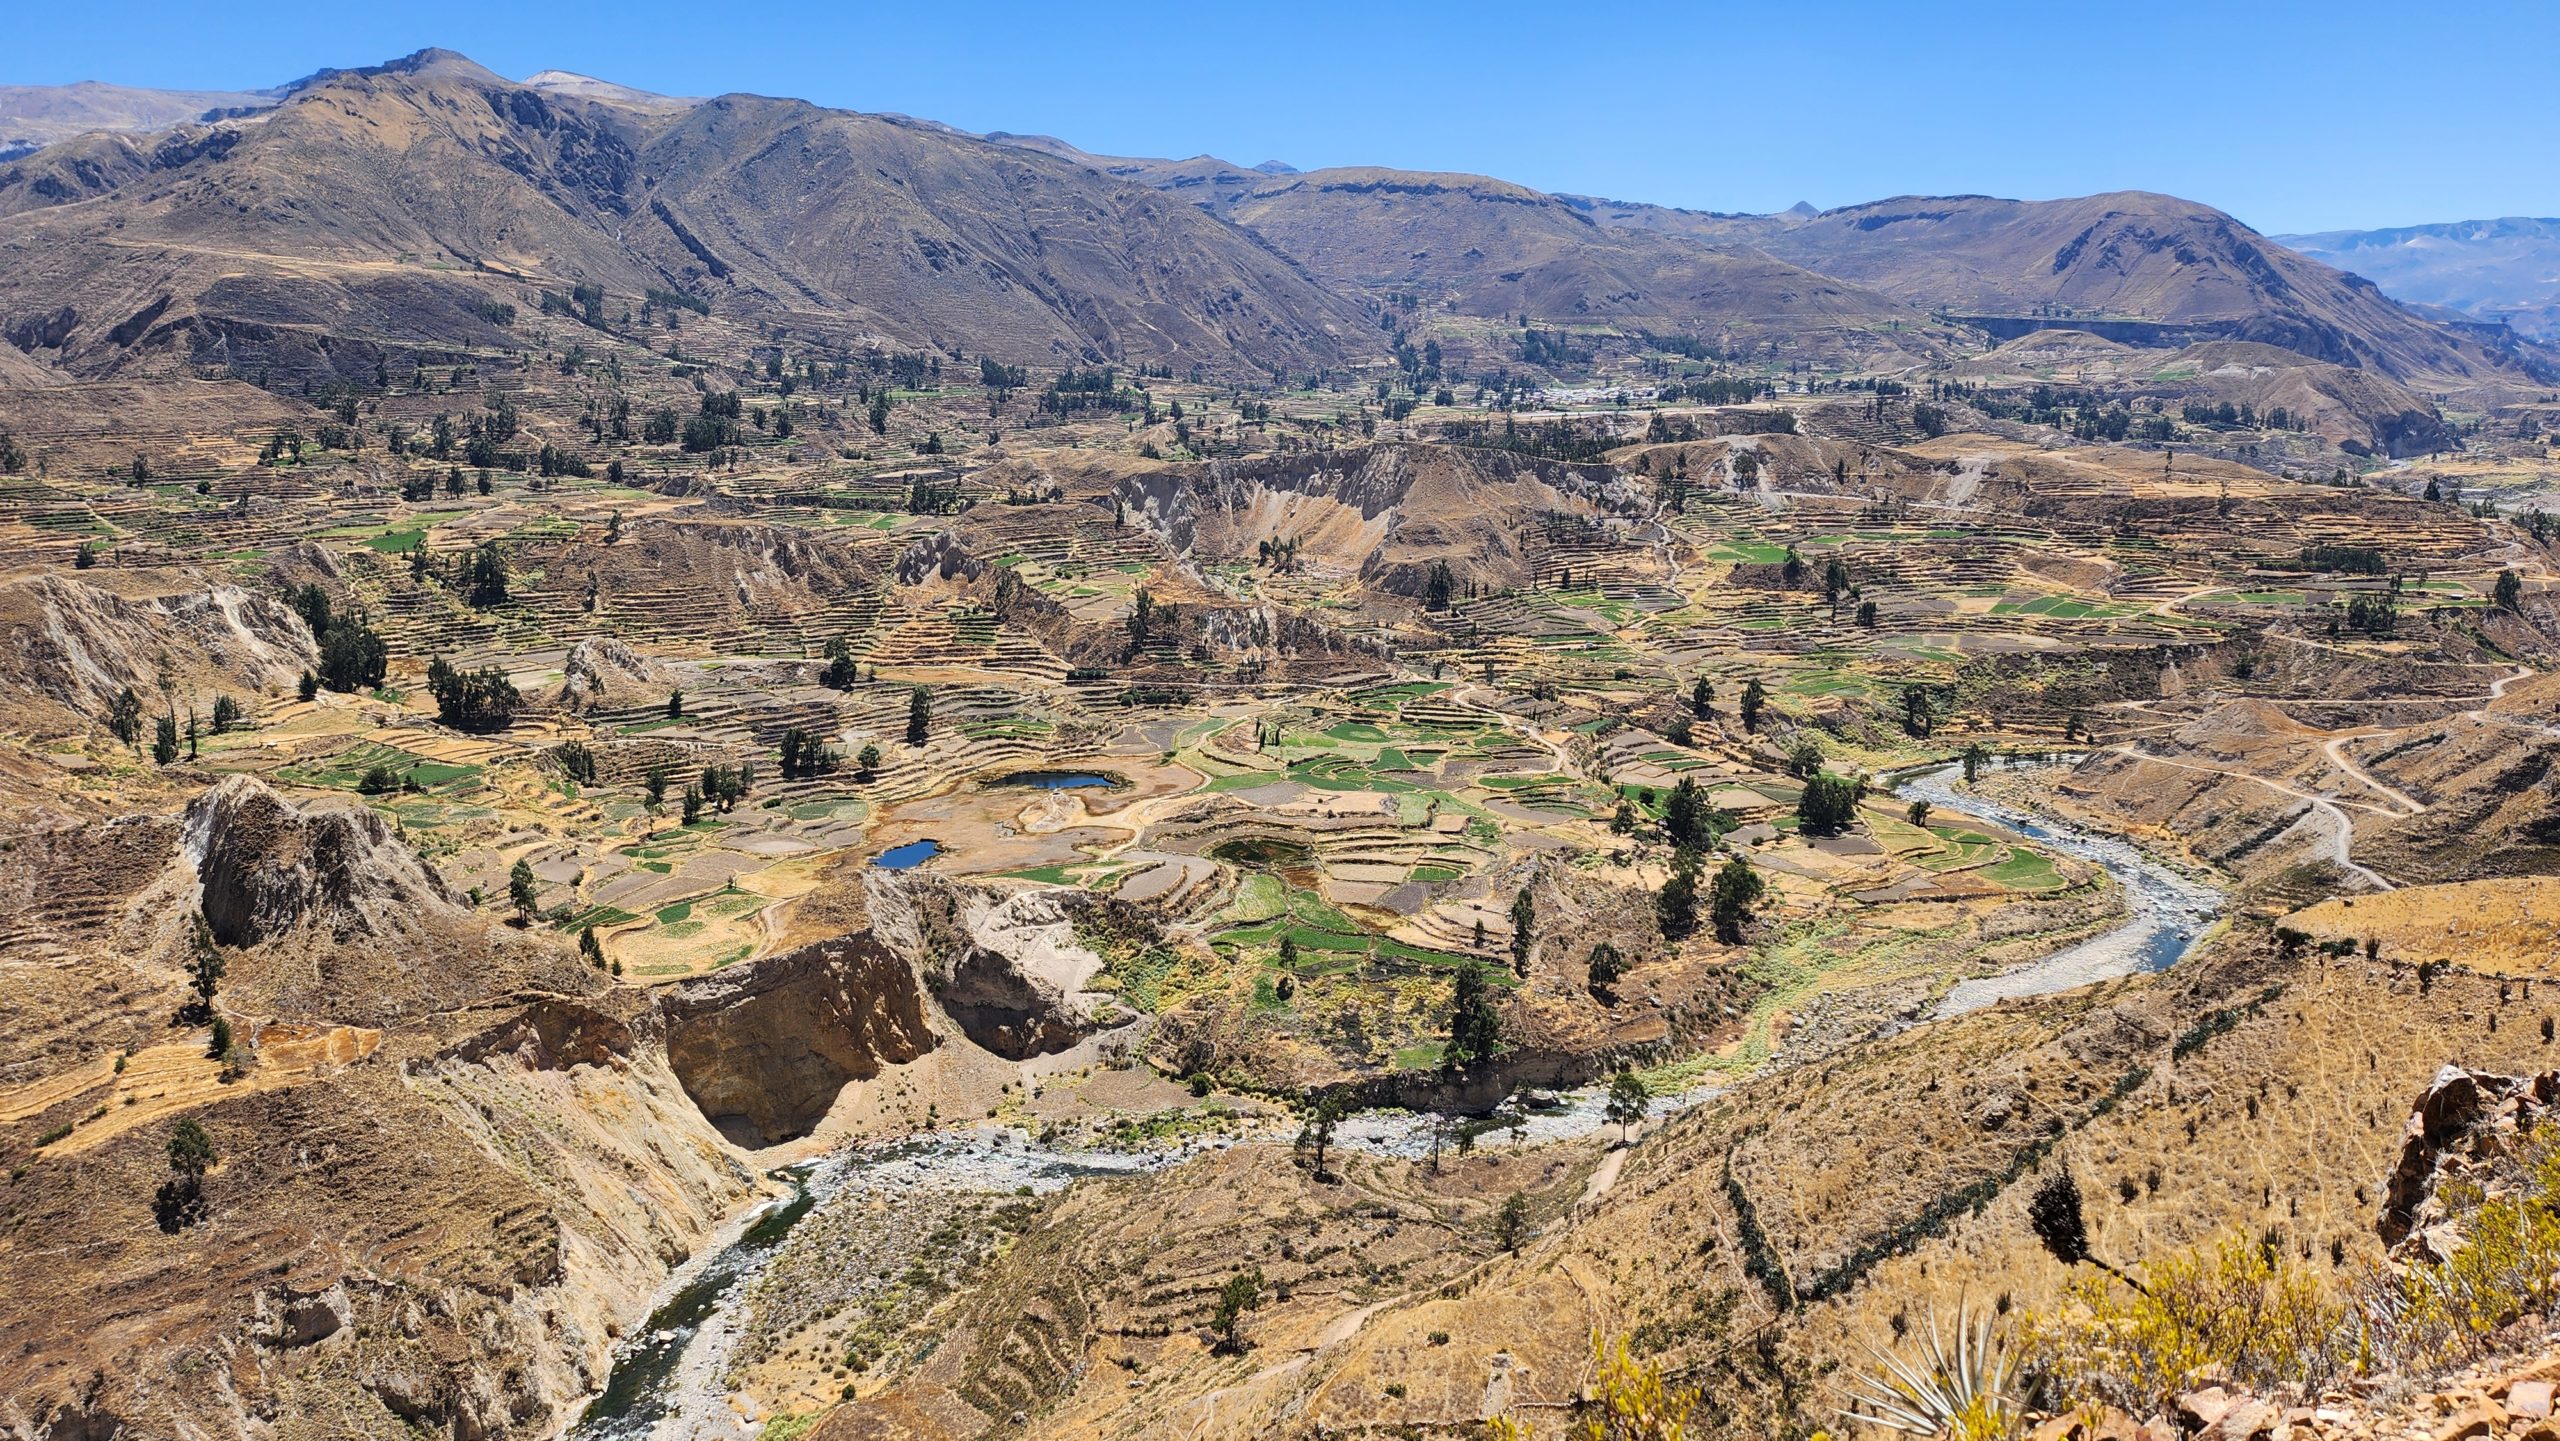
(481, 575)
(805, 755)
(2349, 559)
(1546, 440)
(1829, 804)
(1727, 896)
(1096, 389)
(2375, 615)
(473, 700)
(2227, 416)
(722, 786)
(841, 672)
(352, 655)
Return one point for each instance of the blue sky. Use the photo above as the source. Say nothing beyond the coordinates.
(2292, 116)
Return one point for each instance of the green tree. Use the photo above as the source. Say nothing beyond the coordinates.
(1524, 929)
(1828, 806)
(2509, 593)
(654, 785)
(180, 1203)
(1976, 756)
(1142, 612)
(869, 760)
(1242, 1293)
(590, 949)
(1475, 1030)
(164, 740)
(1702, 699)
(805, 754)
(675, 705)
(475, 700)
(841, 671)
(484, 575)
(1919, 710)
(692, 805)
(1607, 966)
(1675, 906)
(124, 716)
(1438, 586)
(523, 891)
(919, 715)
(1687, 819)
(1754, 697)
(1736, 889)
(1288, 955)
(1804, 758)
(1511, 1223)
(352, 655)
(218, 1044)
(1315, 1134)
(880, 412)
(226, 714)
(1630, 1101)
(1918, 813)
(204, 965)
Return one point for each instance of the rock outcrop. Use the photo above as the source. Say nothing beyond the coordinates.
(68, 646)
(269, 866)
(764, 1047)
(1008, 967)
(602, 668)
(2465, 1124)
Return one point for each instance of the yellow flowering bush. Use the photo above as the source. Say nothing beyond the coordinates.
(1631, 1402)
(2238, 1309)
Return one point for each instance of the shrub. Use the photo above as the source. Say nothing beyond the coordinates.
(1630, 1401)
(2240, 1306)
(2507, 1265)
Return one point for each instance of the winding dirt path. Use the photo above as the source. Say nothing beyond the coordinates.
(2342, 829)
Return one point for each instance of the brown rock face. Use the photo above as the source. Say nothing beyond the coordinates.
(764, 1047)
(267, 865)
(2465, 1118)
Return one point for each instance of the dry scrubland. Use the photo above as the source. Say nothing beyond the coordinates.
(520, 728)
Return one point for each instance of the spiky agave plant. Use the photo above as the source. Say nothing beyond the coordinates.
(1961, 1394)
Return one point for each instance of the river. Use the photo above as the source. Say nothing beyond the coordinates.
(2167, 911)
(666, 1383)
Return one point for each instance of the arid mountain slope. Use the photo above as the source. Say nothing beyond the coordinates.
(2336, 402)
(2167, 264)
(1500, 249)
(359, 207)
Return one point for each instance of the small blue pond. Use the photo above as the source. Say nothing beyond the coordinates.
(908, 856)
(1060, 780)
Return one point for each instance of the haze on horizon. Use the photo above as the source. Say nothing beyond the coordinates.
(2296, 118)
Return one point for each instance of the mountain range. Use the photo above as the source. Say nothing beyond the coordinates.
(2504, 271)
(399, 206)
